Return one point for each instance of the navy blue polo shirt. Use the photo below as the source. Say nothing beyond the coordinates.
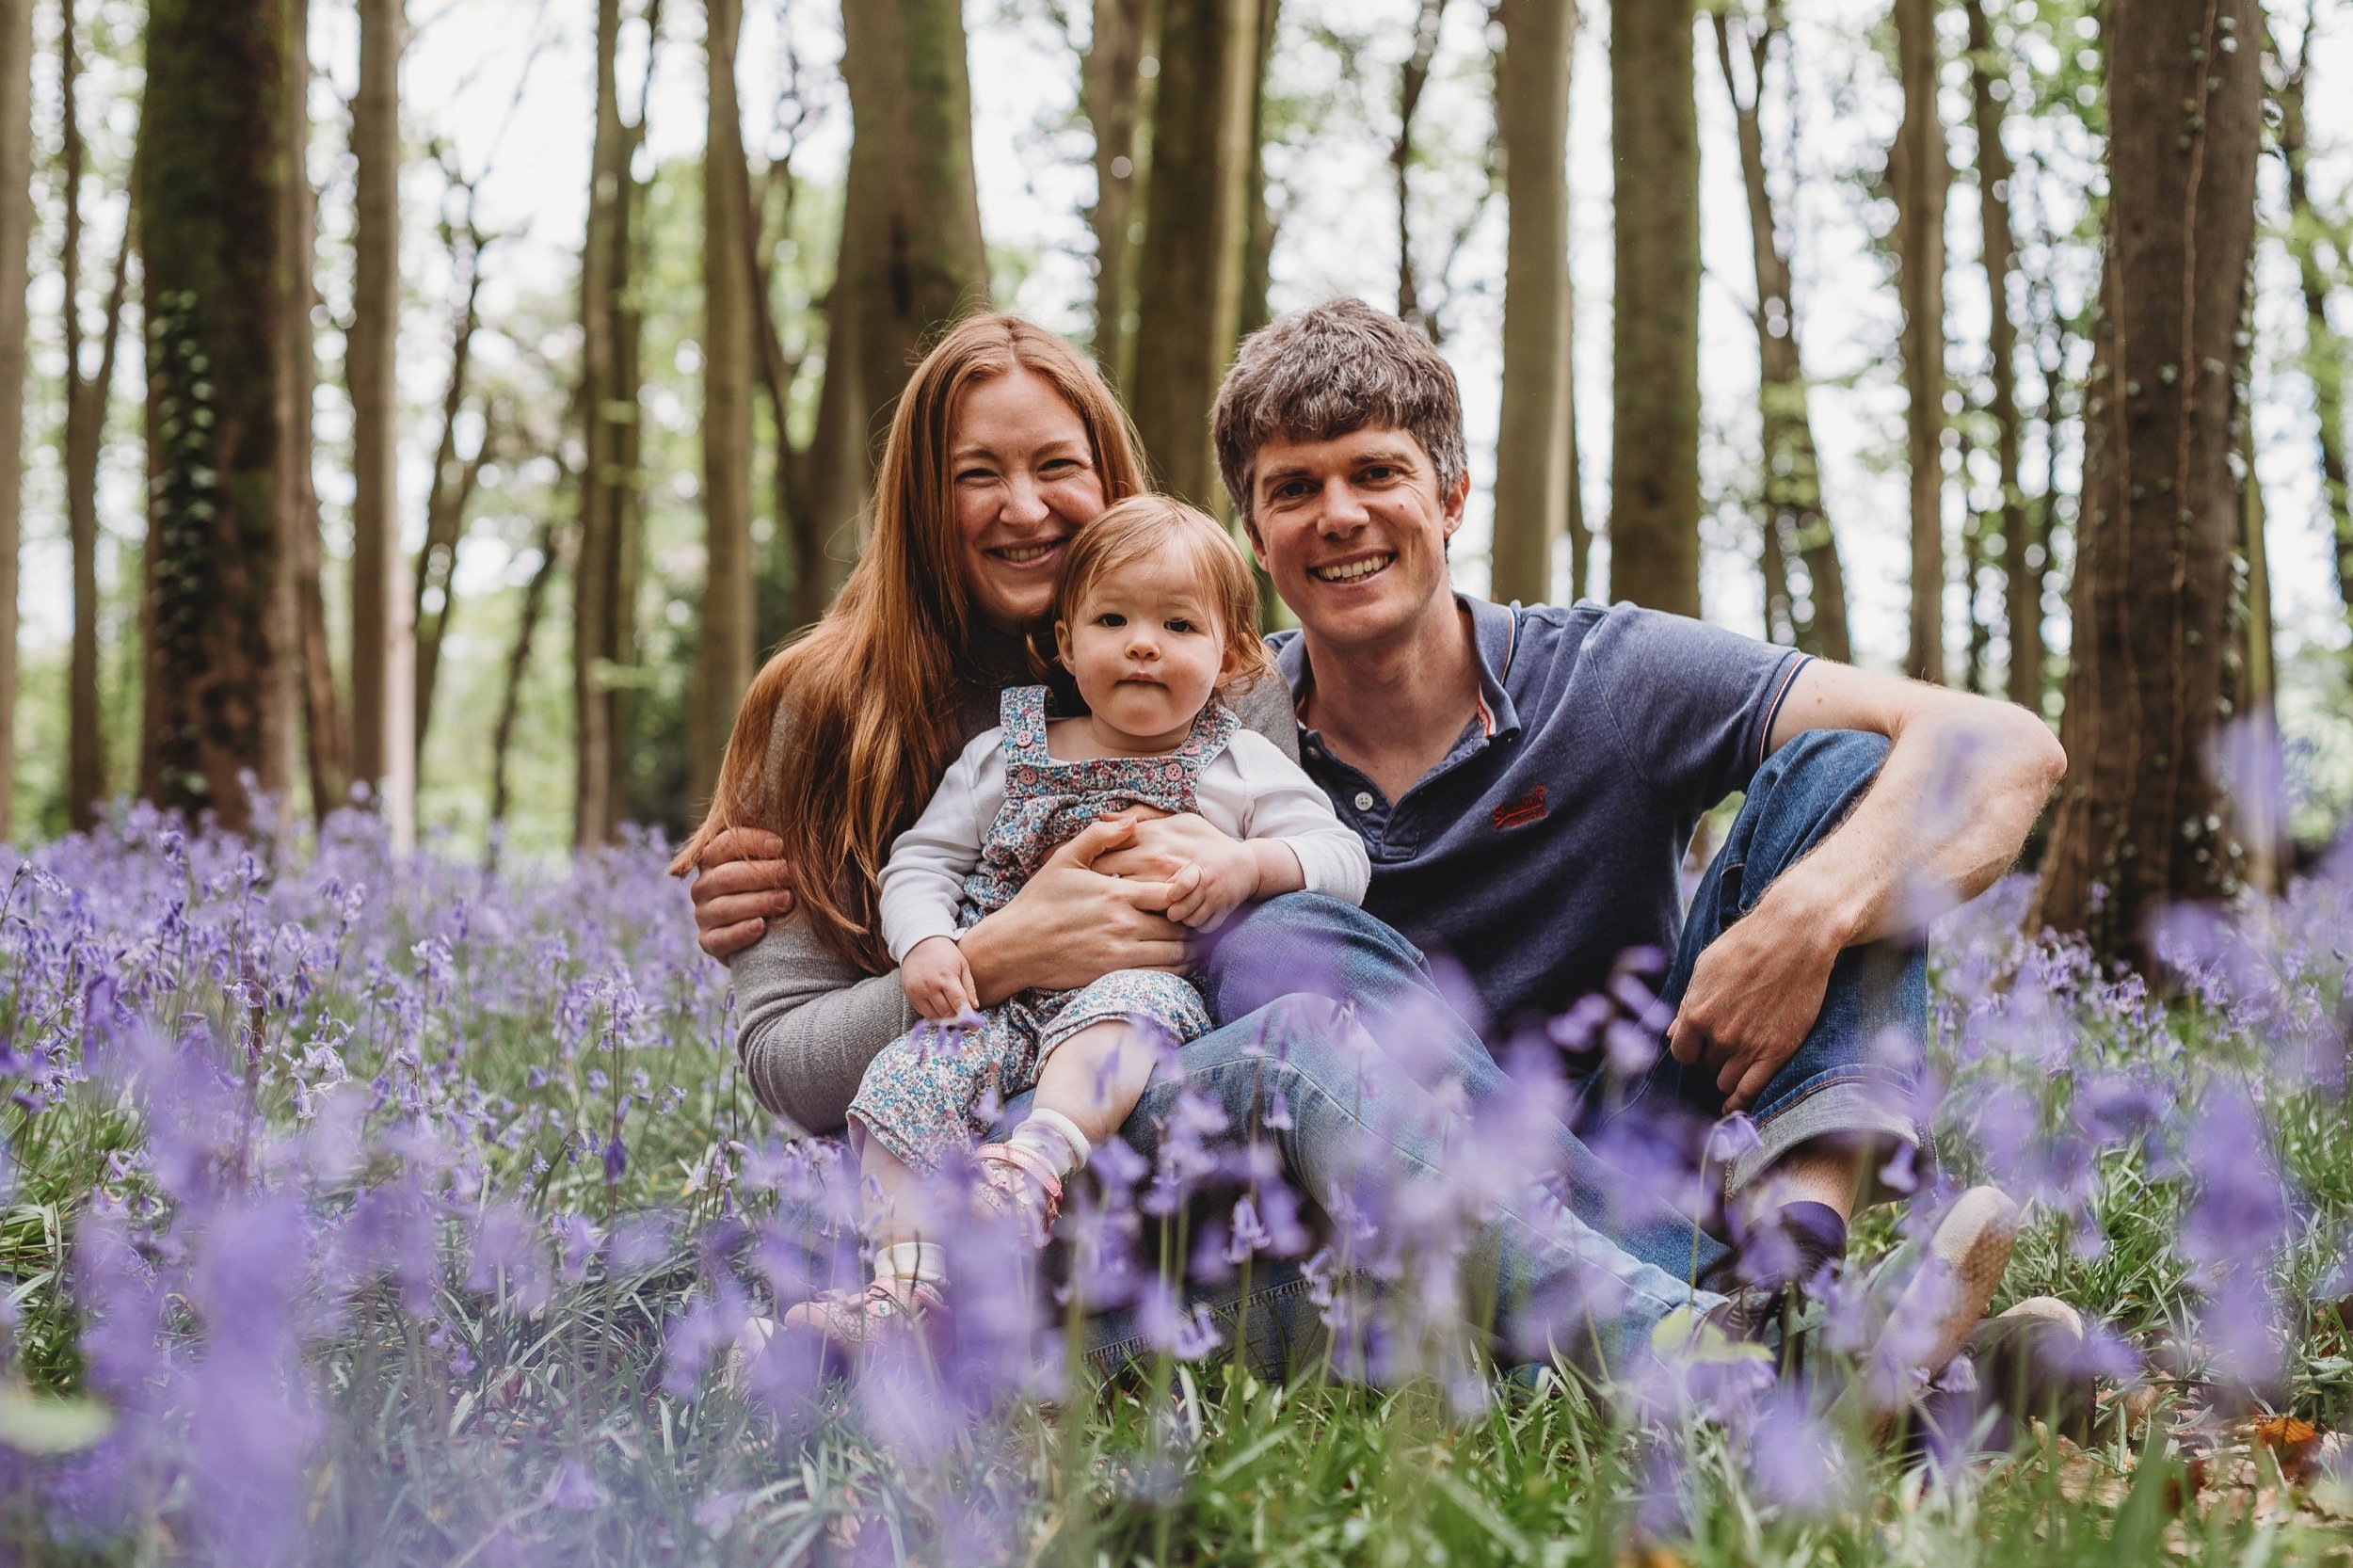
(1549, 840)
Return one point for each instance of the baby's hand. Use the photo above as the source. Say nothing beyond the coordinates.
(1208, 889)
(937, 981)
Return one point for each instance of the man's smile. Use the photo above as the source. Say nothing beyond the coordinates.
(1356, 569)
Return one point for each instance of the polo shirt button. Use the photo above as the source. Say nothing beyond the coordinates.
(1363, 800)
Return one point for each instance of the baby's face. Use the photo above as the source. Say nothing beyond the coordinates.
(1145, 648)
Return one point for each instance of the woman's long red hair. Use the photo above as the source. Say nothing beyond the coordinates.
(869, 693)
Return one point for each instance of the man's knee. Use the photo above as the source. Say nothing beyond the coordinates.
(1804, 791)
(1297, 942)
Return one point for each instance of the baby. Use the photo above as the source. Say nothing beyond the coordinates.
(1154, 615)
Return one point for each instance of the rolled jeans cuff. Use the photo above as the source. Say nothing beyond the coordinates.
(1847, 1107)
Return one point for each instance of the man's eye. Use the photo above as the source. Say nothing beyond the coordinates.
(1380, 471)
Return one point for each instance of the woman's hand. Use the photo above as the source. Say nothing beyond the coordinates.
(740, 886)
(1073, 923)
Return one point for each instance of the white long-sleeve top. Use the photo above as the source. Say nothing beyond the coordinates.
(1249, 790)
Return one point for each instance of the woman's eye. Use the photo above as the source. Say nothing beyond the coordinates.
(974, 476)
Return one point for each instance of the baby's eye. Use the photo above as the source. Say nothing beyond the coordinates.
(1179, 625)
(1110, 617)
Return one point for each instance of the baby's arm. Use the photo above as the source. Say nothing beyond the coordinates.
(1295, 842)
(923, 884)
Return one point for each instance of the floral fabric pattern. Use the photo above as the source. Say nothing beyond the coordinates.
(936, 1088)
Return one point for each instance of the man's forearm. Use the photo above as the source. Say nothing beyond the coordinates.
(1945, 817)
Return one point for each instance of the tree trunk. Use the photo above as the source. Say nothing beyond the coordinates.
(1795, 520)
(1196, 218)
(2323, 350)
(2261, 817)
(211, 208)
(1114, 104)
(454, 479)
(383, 646)
(16, 233)
(603, 576)
(724, 654)
(1654, 335)
(2021, 575)
(1531, 451)
(2159, 515)
(517, 666)
(915, 263)
(327, 739)
(1919, 172)
(1413, 79)
(85, 401)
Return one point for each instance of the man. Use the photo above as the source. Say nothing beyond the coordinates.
(1528, 781)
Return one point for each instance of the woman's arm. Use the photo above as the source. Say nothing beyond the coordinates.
(1071, 924)
(809, 1022)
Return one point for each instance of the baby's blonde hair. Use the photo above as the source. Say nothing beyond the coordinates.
(1144, 526)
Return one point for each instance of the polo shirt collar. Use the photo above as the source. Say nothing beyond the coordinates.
(1495, 635)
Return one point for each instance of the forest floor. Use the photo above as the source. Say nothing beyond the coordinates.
(369, 1212)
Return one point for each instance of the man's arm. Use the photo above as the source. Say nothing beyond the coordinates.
(1965, 779)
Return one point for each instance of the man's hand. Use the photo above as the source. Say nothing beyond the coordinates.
(740, 886)
(1754, 997)
(937, 981)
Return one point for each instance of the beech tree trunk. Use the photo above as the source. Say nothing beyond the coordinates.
(383, 635)
(1114, 104)
(1531, 444)
(326, 738)
(87, 396)
(1654, 336)
(1795, 521)
(16, 233)
(602, 648)
(1197, 220)
(2021, 564)
(915, 262)
(212, 206)
(1919, 172)
(2159, 519)
(723, 666)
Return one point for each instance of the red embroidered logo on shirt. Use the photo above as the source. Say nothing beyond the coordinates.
(1527, 809)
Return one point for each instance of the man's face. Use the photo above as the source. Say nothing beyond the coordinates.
(1353, 532)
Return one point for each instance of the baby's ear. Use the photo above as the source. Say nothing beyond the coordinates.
(1061, 643)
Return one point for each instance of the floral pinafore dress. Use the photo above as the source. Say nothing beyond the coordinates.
(936, 1088)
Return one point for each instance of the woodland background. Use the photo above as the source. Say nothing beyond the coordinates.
(456, 399)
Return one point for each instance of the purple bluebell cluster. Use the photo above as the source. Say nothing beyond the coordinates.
(361, 1205)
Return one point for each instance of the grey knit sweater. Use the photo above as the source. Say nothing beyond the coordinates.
(808, 1021)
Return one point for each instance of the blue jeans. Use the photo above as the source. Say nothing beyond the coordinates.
(1856, 1078)
(1620, 1247)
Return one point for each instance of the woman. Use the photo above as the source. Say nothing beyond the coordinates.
(1005, 444)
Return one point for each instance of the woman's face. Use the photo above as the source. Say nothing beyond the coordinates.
(1025, 483)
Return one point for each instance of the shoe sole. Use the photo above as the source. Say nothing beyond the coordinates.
(1943, 1303)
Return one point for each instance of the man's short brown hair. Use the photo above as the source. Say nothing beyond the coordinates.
(1320, 373)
